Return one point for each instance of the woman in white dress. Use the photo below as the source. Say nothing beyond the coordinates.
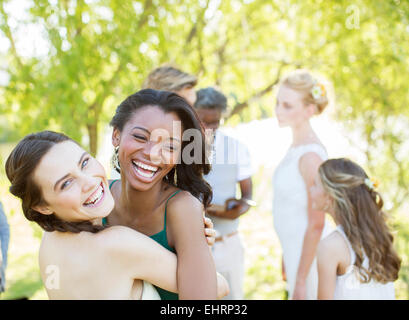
(65, 191)
(298, 226)
(357, 261)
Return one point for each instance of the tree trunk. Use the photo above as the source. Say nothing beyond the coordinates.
(93, 137)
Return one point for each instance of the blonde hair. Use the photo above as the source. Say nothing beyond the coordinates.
(303, 82)
(358, 208)
(169, 78)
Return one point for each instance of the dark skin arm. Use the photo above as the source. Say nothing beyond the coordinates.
(196, 272)
(240, 207)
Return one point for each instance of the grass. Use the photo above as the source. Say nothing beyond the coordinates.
(262, 248)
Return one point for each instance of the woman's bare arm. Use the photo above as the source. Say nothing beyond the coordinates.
(327, 261)
(147, 260)
(196, 270)
(141, 257)
(309, 165)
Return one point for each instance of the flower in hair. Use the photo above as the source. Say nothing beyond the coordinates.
(371, 183)
(318, 91)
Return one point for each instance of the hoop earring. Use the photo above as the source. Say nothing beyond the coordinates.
(115, 160)
(175, 178)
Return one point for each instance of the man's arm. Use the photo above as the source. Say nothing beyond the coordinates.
(239, 206)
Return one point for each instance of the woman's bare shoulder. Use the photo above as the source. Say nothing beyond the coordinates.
(184, 202)
(332, 246)
(60, 246)
(116, 234)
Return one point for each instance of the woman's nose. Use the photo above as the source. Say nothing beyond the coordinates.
(153, 152)
(89, 183)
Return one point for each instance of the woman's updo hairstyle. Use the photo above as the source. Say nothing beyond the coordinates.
(312, 90)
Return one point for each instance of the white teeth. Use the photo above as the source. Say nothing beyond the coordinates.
(96, 197)
(146, 167)
(146, 175)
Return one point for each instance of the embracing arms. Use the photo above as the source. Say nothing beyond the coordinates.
(147, 260)
(196, 272)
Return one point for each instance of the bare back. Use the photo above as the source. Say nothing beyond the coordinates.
(77, 266)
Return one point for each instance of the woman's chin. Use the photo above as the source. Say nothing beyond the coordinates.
(140, 185)
(105, 209)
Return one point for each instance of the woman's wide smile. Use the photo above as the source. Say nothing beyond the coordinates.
(96, 198)
(145, 172)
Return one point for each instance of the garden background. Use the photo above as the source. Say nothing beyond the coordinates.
(66, 64)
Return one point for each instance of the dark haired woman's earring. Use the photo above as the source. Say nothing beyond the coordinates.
(115, 160)
(175, 178)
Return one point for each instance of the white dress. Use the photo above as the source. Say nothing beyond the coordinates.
(348, 286)
(290, 214)
(149, 292)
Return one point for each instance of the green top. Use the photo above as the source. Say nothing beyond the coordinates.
(162, 239)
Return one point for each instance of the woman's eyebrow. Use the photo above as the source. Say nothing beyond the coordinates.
(148, 132)
(59, 180)
(143, 129)
(79, 163)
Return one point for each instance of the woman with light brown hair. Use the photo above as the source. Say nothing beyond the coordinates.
(357, 260)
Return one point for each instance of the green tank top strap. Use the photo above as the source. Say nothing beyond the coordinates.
(112, 182)
(166, 206)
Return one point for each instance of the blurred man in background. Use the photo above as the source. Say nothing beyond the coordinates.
(231, 165)
(168, 78)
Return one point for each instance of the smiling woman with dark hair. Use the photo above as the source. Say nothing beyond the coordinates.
(162, 192)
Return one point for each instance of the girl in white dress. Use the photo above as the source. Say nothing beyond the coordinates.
(357, 260)
(298, 226)
(65, 191)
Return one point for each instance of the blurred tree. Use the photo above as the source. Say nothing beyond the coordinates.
(99, 51)
(92, 47)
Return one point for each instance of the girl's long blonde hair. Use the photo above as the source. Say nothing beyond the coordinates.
(358, 208)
